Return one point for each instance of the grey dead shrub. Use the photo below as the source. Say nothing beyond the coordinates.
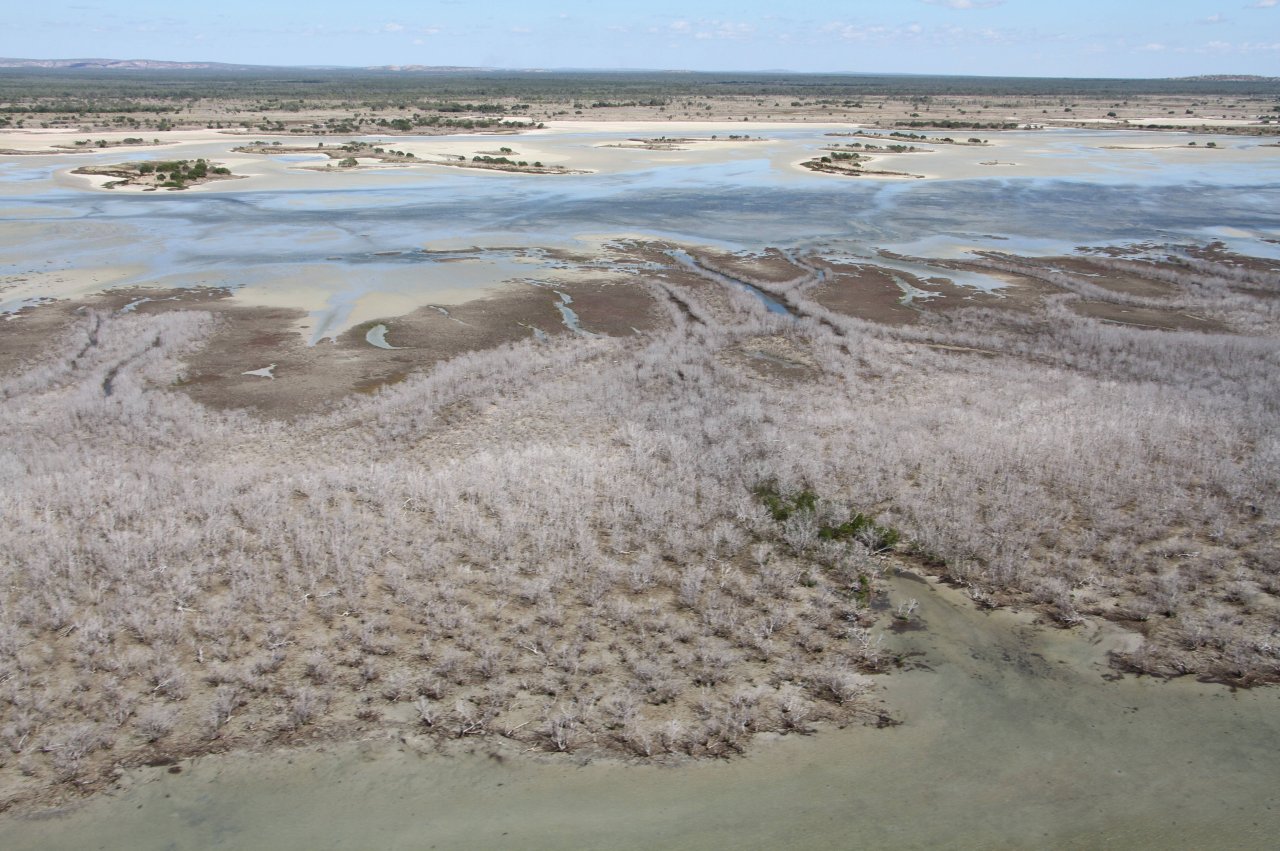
(305, 705)
(155, 721)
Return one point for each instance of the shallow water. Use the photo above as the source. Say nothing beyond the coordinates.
(771, 305)
(569, 316)
(924, 271)
(263, 372)
(326, 243)
(377, 336)
(1012, 737)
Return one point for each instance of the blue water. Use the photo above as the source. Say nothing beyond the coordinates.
(751, 199)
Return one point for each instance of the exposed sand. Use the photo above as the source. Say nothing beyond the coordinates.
(28, 287)
(1042, 153)
(554, 145)
(48, 140)
(651, 129)
(1194, 121)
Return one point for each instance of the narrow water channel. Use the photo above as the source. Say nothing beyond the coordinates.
(770, 304)
(1013, 736)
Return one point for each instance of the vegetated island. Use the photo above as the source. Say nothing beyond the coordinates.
(1208, 146)
(345, 153)
(504, 163)
(677, 143)
(168, 174)
(349, 154)
(914, 137)
(888, 149)
(850, 164)
(954, 124)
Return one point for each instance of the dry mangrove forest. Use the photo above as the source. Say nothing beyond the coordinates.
(655, 545)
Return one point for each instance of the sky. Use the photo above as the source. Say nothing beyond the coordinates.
(1079, 38)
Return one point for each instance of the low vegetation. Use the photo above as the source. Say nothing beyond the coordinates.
(850, 164)
(167, 174)
(434, 101)
(340, 151)
(651, 545)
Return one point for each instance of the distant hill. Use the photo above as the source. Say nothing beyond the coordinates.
(1232, 78)
(124, 64)
(428, 69)
(162, 65)
(100, 64)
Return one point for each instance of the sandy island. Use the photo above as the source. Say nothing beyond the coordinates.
(1024, 153)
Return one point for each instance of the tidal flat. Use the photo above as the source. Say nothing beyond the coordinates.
(690, 499)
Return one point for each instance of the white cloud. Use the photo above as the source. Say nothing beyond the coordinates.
(947, 35)
(1262, 4)
(1214, 19)
(977, 4)
(852, 32)
(392, 27)
(1246, 47)
(705, 29)
(725, 30)
(1239, 48)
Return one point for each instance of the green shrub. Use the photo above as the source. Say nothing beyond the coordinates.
(859, 526)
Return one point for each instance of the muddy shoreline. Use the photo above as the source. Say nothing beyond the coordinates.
(1077, 766)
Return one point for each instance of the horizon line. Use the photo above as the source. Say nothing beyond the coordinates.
(409, 67)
